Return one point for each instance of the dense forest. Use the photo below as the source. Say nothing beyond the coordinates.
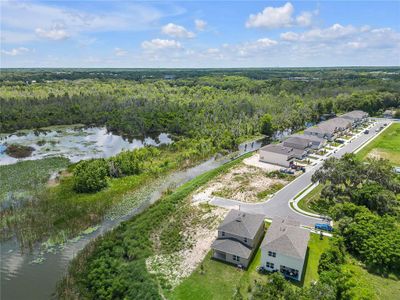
(221, 108)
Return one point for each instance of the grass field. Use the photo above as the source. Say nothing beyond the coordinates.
(304, 203)
(386, 145)
(371, 286)
(220, 281)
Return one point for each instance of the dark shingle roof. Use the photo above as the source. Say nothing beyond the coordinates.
(311, 138)
(242, 224)
(296, 141)
(286, 237)
(281, 149)
(232, 247)
(355, 114)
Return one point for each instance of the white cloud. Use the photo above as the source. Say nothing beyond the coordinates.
(177, 31)
(15, 51)
(334, 32)
(304, 19)
(272, 17)
(200, 24)
(29, 20)
(251, 47)
(120, 52)
(56, 33)
(157, 44)
(280, 17)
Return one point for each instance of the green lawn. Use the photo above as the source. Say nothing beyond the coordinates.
(220, 280)
(315, 248)
(386, 145)
(304, 203)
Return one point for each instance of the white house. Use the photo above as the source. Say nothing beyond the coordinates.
(284, 248)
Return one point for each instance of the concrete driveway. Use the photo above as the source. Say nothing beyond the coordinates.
(278, 205)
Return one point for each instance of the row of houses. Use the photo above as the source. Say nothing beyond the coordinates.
(283, 248)
(297, 146)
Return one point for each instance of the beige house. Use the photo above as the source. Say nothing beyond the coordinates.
(238, 237)
(281, 155)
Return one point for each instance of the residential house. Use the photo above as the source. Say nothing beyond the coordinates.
(238, 237)
(315, 141)
(356, 116)
(284, 248)
(328, 129)
(280, 155)
(296, 142)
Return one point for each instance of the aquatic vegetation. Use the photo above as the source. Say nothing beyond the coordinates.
(19, 151)
(26, 177)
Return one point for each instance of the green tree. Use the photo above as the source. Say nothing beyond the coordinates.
(267, 126)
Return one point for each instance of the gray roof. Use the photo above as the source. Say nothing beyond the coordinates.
(311, 138)
(355, 114)
(281, 149)
(232, 247)
(330, 125)
(242, 224)
(285, 236)
(294, 140)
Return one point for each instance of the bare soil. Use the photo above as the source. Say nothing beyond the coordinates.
(244, 183)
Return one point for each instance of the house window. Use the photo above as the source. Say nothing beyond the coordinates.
(223, 233)
(270, 253)
(237, 258)
(269, 265)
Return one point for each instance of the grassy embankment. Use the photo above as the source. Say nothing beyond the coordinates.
(115, 263)
(219, 280)
(386, 145)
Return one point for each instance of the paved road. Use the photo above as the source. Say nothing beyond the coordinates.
(278, 205)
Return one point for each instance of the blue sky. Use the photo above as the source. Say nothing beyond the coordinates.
(199, 33)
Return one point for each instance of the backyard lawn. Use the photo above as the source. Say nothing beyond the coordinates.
(386, 145)
(220, 281)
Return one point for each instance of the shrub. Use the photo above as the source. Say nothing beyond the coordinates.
(90, 176)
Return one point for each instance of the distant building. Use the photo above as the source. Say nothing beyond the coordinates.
(388, 114)
(284, 248)
(169, 77)
(238, 237)
(278, 154)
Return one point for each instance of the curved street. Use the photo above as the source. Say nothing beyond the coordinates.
(279, 204)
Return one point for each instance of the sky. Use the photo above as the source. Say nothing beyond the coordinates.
(199, 34)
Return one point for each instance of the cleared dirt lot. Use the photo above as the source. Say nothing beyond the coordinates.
(244, 183)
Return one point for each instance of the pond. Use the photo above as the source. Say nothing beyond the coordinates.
(73, 142)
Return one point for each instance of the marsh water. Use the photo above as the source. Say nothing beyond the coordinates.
(34, 275)
(75, 142)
